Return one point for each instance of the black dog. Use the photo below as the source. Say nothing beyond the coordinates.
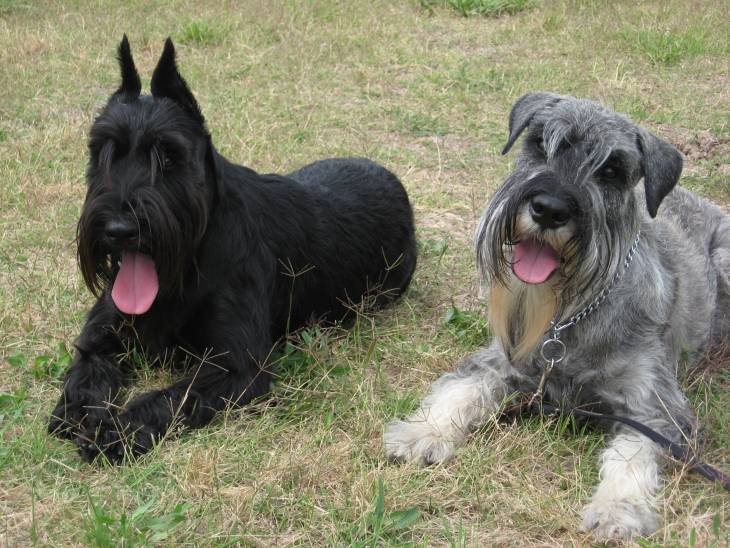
(187, 250)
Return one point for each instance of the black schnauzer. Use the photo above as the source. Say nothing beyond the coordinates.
(186, 250)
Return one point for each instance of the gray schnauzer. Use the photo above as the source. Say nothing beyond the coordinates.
(587, 275)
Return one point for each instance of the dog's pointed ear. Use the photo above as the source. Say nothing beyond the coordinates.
(523, 111)
(131, 85)
(215, 166)
(167, 82)
(661, 165)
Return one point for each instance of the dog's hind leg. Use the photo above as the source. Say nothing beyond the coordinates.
(457, 403)
(93, 381)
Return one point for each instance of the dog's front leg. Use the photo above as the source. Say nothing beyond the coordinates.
(623, 504)
(236, 340)
(94, 379)
(457, 403)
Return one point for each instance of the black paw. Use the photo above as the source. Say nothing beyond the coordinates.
(67, 420)
(116, 439)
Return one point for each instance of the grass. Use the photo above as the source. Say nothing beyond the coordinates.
(201, 33)
(427, 93)
(489, 8)
(664, 47)
(141, 527)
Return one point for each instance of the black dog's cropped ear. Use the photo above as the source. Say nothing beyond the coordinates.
(167, 82)
(131, 85)
(661, 165)
(215, 169)
(523, 111)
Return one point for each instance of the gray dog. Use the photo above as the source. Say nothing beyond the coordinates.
(588, 279)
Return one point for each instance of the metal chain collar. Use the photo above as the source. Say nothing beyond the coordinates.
(553, 350)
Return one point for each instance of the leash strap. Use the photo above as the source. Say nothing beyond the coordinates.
(677, 451)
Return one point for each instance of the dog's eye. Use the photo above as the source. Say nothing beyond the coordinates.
(609, 173)
(540, 145)
(165, 159)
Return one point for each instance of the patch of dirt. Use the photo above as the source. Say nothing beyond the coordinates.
(703, 146)
(454, 225)
(697, 146)
(33, 45)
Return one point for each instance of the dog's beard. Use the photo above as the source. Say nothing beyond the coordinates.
(171, 226)
(524, 299)
(520, 314)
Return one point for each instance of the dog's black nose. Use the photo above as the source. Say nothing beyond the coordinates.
(549, 211)
(120, 230)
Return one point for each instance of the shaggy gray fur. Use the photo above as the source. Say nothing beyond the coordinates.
(622, 359)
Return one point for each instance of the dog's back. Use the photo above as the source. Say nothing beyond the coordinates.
(362, 199)
(365, 227)
(334, 232)
(705, 227)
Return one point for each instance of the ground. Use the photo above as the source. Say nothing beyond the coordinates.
(424, 88)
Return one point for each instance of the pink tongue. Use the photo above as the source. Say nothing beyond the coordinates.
(534, 261)
(135, 286)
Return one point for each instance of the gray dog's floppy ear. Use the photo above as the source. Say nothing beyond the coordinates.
(167, 82)
(523, 111)
(131, 84)
(661, 164)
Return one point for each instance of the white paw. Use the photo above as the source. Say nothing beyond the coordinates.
(619, 519)
(416, 441)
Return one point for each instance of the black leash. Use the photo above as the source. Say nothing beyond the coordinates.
(678, 452)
